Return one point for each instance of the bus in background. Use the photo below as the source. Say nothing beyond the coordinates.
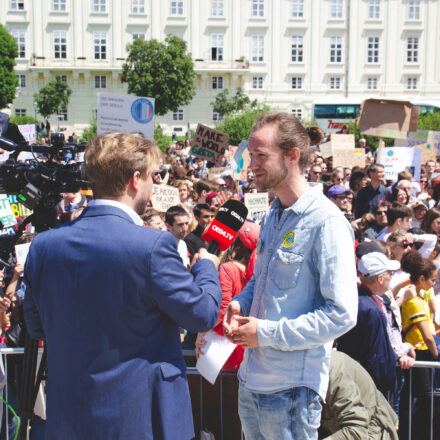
(331, 114)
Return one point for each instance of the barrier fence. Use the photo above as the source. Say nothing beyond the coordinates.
(215, 407)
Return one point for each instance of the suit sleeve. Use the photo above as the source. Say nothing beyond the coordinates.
(32, 318)
(190, 299)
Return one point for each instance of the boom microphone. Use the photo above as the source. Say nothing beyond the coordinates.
(224, 228)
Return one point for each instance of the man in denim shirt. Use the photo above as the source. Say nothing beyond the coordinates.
(302, 296)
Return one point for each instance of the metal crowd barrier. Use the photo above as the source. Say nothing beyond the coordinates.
(215, 407)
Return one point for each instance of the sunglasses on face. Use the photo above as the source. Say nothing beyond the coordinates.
(406, 245)
(381, 213)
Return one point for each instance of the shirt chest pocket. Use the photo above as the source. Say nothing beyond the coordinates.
(286, 267)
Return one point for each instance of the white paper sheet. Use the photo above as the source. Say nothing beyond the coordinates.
(216, 352)
(21, 250)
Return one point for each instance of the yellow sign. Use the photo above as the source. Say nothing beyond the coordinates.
(289, 239)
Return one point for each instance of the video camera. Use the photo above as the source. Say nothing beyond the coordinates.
(39, 181)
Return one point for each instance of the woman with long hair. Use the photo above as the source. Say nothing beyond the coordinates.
(431, 222)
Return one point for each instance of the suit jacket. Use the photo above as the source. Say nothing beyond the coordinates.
(369, 344)
(108, 297)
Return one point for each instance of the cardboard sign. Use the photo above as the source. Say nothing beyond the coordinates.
(428, 152)
(348, 158)
(421, 137)
(7, 217)
(397, 159)
(240, 162)
(257, 204)
(125, 113)
(164, 196)
(28, 132)
(217, 172)
(342, 141)
(326, 150)
(388, 118)
(209, 144)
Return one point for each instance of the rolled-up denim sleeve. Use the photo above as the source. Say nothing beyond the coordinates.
(333, 257)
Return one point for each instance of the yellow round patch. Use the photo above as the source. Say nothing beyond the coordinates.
(289, 239)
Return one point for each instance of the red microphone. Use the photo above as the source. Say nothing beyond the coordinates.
(224, 228)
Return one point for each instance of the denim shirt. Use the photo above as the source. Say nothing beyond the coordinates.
(303, 292)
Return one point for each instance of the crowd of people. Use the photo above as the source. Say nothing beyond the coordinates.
(396, 230)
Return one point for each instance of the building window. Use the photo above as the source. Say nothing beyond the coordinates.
(336, 8)
(257, 48)
(20, 112)
(374, 9)
(411, 83)
(257, 8)
(99, 5)
(412, 50)
(257, 82)
(373, 50)
(336, 49)
(297, 82)
(217, 82)
(217, 8)
(414, 9)
(137, 36)
(217, 45)
(335, 83)
(216, 116)
(297, 49)
(100, 82)
(297, 8)
(297, 112)
(138, 6)
(62, 116)
(59, 5)
(372, 83)
(21, 80)
(100, 45)
(177, 7)
(178, 115)
(60, 45)
(63, 78)
(17, 5)
(19, 36)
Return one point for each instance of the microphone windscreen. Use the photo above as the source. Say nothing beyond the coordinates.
(228, 221)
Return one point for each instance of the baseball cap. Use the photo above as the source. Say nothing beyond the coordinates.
(336, 190)
(376, 263)
(248, 234)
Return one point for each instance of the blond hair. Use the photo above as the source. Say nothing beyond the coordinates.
(111, 160)
(290, 134)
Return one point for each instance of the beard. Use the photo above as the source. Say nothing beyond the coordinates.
(273, 178)
(140, 206)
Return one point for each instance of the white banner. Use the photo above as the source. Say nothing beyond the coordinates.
(397, 159)
(125, 113)
(28, 132)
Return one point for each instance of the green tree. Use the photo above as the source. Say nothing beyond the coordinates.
(227, 106)
(53, 97)
(22, 119)
(163, 71)
(430, 121)
(239, 126)
(372, 141)
(8, 78)
(91, 132)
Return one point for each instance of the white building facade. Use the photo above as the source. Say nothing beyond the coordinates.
(286, 53)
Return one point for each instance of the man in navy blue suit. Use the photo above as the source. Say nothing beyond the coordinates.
(108, 296)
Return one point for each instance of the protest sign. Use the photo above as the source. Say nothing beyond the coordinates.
(348, 158)
(342, 141)
(241, 161)
(164, 196)
(28, 132)
(217, 172)
(21, 251)
(125, 113)
(257, 204)
(428, 152)
(397, 159)
(326, 150)
(421, 137)
(6, 215)
(209, 144)
(388, 118)
(19, 211)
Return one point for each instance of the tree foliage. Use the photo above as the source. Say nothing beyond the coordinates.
(53, 97)
(227, 106)
(91, 132)
(8, 78)
(239, 126)
(163, 71)
(22, 119)
(430, 121)
(372, 141)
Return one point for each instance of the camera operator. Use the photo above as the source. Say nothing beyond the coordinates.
(108, 296)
